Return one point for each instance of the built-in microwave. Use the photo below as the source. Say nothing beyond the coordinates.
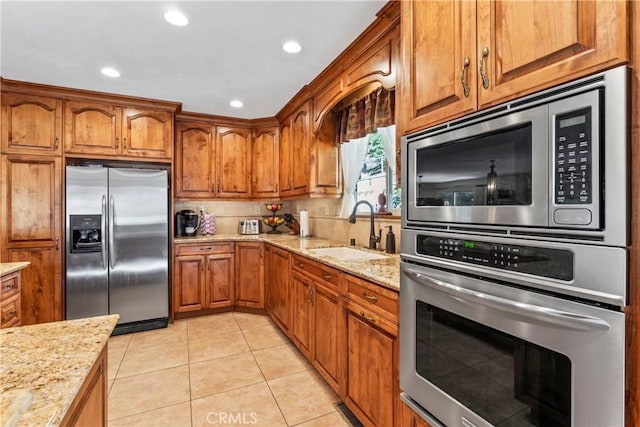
(552, 163)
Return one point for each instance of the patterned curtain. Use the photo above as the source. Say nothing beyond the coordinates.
(366, 115)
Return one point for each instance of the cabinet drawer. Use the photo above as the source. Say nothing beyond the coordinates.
(204, 248)
(10, 310)
(316, 270)
(373, 297)
(10, 286)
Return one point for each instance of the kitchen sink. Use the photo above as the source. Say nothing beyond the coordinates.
(347, 254)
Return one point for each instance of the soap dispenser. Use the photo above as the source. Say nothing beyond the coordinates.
(390, 247)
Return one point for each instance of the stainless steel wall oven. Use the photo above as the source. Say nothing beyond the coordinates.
(514, 261)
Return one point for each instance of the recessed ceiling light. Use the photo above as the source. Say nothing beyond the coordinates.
(236, 103)
(176, 17)
(291, 47)
(110, 72)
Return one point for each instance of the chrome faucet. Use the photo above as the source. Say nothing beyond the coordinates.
(373, 239)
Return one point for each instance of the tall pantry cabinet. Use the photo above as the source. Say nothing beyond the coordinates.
(31, 193)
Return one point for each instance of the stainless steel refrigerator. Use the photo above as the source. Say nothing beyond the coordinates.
(117, 247)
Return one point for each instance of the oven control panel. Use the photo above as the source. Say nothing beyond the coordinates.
(573, 158)
(545, 262)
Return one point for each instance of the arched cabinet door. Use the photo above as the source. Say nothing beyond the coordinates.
(20, 113)
(233, 146)
(195, 160)
(92, 128)
(147, 133)
(265, 167)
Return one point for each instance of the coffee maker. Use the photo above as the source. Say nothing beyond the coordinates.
(186, 223)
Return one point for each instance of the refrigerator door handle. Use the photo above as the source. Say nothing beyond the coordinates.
(103, 228)
(112, 251)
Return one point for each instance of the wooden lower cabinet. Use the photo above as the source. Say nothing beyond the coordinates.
(327, 348)
(278, 286)
(89, 408)
(249, 274)
(203, 277)
(10, 300)
(372, 389)
(302, 330)
(408, 418)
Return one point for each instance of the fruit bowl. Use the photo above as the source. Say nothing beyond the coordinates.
(273, 207)
(273, 222)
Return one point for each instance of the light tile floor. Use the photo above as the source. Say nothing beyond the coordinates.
(224, 369)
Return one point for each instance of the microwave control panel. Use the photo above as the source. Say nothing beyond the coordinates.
(573, 158)
(544, 262)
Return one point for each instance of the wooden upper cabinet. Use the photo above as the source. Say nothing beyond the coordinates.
(93, 128)
(438, 53)
(514, 48)
(285, 152)
(531, 45)
(147, 133)
(194, 160)
(325, 171)
(233, 159)
(31, 124)
(265, 164)
(300, 132)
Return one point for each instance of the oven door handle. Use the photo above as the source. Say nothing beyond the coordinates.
(533, 312)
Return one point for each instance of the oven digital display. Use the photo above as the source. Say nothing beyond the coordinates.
(544, 262)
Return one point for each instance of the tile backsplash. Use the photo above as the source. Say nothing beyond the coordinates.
(324, 219)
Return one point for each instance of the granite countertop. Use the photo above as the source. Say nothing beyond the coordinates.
(10, 267)
(385, 272)
(42, 367)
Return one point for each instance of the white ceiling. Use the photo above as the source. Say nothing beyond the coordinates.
(229, 50)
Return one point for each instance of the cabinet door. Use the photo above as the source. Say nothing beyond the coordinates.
(31, 124)
(92, 128)
(30, 215)
(410, 418)
(265, 163)
(531, 45)
(250, 274)
(302, 322)
(233, 162)
(89, 408)
(371, 387)
(188, 283)
(219, 290)
(281, 279)
(194, 162)
(147, 133)
(300, 133)
(438, 53)
(325, 171)
(327, 311)
(286, 168)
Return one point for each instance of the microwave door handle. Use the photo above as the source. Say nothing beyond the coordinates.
(537, 313)
(103, 228)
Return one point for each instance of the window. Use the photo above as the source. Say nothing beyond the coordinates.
(377, 178)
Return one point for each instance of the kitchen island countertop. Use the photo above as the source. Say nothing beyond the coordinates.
(384, 272)
(42, 367)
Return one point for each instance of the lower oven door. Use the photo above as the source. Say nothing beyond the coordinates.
(479, 353)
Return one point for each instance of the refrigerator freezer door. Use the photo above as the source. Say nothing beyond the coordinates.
(139, 244)
(87, 280)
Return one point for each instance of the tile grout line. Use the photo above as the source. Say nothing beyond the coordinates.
(189, 370)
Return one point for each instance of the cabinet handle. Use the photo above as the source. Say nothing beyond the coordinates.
(463, 76)
(301, 265)
(277, 187)
(124, 143)
(56, 143)
(371, 298)
(117, 142)
(326, 276)
(367, 318)
(57, 243)
(485, 79)
(205, 249)
(7, 288)
(13, 313)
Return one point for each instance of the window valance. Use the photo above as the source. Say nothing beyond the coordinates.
(365, 115)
